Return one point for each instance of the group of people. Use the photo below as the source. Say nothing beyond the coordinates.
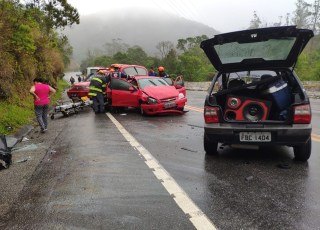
(72, 80)
(161, 72)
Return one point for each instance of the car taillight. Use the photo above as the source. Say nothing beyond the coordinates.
(211, 114)
(302, 114)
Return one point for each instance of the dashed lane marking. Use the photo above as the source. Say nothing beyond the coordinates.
(193, 108)
(195, 215)
(315, 137)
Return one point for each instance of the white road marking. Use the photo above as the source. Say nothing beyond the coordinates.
(196, 216)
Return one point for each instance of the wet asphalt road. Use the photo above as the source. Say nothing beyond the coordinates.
(97, 180)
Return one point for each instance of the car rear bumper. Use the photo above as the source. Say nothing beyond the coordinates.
(290, 135)
(152, 109)
(77, 94)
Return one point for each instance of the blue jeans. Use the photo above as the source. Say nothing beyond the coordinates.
(41, 112)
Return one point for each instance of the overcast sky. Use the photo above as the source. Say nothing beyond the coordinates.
(222, 15)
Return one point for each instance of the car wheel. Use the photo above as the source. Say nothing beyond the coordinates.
(302, 152)
(210, 146)
(141, 109)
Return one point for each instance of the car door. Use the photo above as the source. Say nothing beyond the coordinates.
(123, 93)
(179, 84)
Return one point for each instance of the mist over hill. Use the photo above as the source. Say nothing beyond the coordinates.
(134, 27)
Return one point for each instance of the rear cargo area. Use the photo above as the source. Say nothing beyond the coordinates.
(261, 96)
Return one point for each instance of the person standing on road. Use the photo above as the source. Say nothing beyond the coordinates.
(161, 72)
(152, 72)
(41, 93)
(72, 80)
(97, 91)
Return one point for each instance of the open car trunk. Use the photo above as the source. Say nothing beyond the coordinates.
(262, 96)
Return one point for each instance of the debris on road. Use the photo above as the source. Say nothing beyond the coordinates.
(24, 159)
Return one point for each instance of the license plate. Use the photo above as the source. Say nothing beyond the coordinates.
(169, 104)
(255, 136)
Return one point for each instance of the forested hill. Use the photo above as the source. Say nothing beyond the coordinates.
(134, 27)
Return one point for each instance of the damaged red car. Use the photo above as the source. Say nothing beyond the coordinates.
(151, 95)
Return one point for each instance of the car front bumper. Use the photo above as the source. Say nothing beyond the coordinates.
(152, 109)
(290, 135)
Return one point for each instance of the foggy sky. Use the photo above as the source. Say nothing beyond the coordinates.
(222, 15)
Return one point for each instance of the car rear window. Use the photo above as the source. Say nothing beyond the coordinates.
(272, 49)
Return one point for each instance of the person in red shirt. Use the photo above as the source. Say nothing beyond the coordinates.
(41, 93)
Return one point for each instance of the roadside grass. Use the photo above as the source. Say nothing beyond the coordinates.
(14, 115)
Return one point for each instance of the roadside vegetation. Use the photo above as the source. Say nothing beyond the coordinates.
(21, 112)
(30, 47)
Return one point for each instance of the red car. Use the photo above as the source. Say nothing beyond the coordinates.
(81, 89)
(152, 95)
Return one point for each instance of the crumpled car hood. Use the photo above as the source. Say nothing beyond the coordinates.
(161, 92)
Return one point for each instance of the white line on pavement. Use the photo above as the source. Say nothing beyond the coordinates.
(196, 216)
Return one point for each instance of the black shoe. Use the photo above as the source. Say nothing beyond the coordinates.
(43, 130)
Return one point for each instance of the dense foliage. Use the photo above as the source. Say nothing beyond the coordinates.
(30, 47)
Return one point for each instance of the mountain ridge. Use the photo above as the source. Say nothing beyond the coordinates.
(134, 27)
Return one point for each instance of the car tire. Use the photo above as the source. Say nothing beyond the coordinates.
(302, 152)
(142, 111)
(210, 146)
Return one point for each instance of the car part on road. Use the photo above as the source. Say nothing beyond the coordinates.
(5, 153)
(70, 108)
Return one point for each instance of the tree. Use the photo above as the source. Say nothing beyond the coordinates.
(170, 61)
(57, 13)
(314, 16)
(164, 48)
(301, 14)
(65, 48)
(255, 22)
(136, 55)
(115, 46)
(190, 42)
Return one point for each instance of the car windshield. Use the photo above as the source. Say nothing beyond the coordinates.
(135, 71)
(151, 82)
(272, 49)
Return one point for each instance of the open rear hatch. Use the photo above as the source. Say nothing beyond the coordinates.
(262, 48)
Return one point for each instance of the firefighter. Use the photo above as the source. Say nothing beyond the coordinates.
(97, 91)
(161, 72)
